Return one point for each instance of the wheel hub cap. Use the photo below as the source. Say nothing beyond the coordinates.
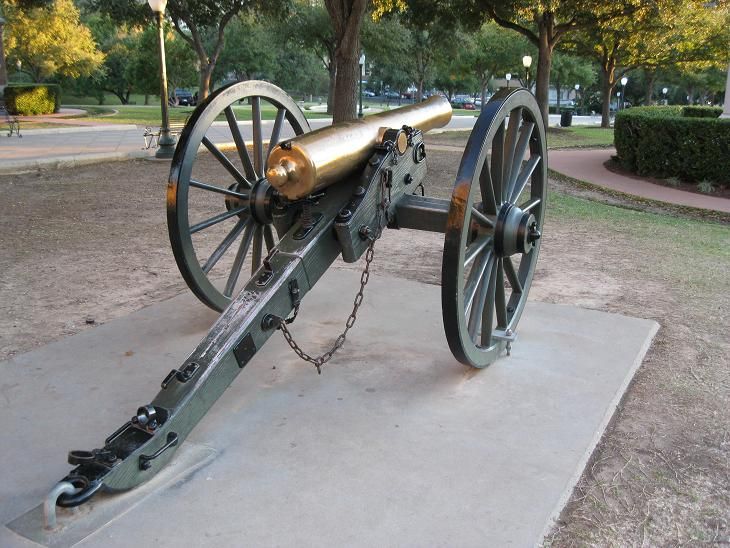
(515, 232)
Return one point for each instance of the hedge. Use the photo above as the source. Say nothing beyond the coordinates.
(660, 142)
(696, 111)
(29, 99)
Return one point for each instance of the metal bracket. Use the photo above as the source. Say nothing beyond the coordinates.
(183, 376)
(145, 461)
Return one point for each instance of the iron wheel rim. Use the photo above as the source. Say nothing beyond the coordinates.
(472, 270)
(244, 173)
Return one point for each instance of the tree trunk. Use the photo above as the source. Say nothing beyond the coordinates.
(419, 91)
(206, 72)
(346, 16)
(332, 69)
(650, 88)
(3, 70)
(485, 83)
(544, 62)
(557, 89)
(348, 71)
(146, 99)
(607, 75)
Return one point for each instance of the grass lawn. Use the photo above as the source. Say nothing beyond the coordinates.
(580, 136)
(569, 137)
(150, 115)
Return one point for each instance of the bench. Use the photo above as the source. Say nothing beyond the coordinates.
(12, 122)
(152, 138)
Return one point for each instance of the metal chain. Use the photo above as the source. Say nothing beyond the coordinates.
(322, 359)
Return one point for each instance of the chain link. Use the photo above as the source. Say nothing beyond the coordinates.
(322, 359)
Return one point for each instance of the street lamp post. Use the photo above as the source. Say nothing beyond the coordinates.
(664, 94)
(526, 62)
(166, 143)
(624, 81)
(508, 77)
(575, 100)
(362, 74)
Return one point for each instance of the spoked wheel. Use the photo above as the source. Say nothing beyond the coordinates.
(494, 227)
(218, 200)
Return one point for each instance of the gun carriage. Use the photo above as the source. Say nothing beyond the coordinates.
(294, 202)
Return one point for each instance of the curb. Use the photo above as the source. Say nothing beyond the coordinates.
(78, 129)
(64, 162)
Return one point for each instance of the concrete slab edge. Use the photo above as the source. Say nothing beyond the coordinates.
(613, 405)
(60, 162)
(78, 129)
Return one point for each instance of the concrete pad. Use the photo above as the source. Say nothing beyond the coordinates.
(395, 443)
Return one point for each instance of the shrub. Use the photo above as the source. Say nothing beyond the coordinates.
(706, 187)
(29, 99)
(696, 111)
(660, 142)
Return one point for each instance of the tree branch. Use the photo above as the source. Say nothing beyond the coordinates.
(531, 36)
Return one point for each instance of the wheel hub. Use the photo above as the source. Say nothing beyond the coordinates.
(516, 231)
(259, 201)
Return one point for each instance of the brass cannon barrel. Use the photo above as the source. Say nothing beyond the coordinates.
(310, 162)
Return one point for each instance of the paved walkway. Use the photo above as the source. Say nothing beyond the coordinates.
(588, 165)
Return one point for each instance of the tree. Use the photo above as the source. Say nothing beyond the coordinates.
(200, 23)
(311, 26)
(570, 70)
(144, 69)
(247, 53)
(545, 23)
(666, 33)
(347, 17)
(50, 40)
(490, 51)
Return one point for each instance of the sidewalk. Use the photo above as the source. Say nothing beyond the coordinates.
(587, 165)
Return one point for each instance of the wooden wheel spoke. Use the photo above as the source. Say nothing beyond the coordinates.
(276, 132)
(226, 163)
(258, 138)
(500, 302)
(481, 218)
(269, 238)
(524, 176)
(225, 244)
(487, 190)
(530, 204)
(218, 189)
(514, 281)
(475, 277)
(240, 143)
(238, 261)
(497, 159)
(258, 244)
(476, 247)
(217, 219)
(510, 146)
(521, 149)
(487, 311)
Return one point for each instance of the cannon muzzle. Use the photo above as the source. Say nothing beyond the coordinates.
(310, 162)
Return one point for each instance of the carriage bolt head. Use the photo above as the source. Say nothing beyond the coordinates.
(344, 215)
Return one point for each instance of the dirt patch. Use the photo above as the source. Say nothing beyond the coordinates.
(82, 246)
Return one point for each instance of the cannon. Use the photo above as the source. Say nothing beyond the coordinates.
(293, 201)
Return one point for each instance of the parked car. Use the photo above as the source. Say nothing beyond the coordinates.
(466, 105)
(368, 93)
(185, 98)
(392, 94)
